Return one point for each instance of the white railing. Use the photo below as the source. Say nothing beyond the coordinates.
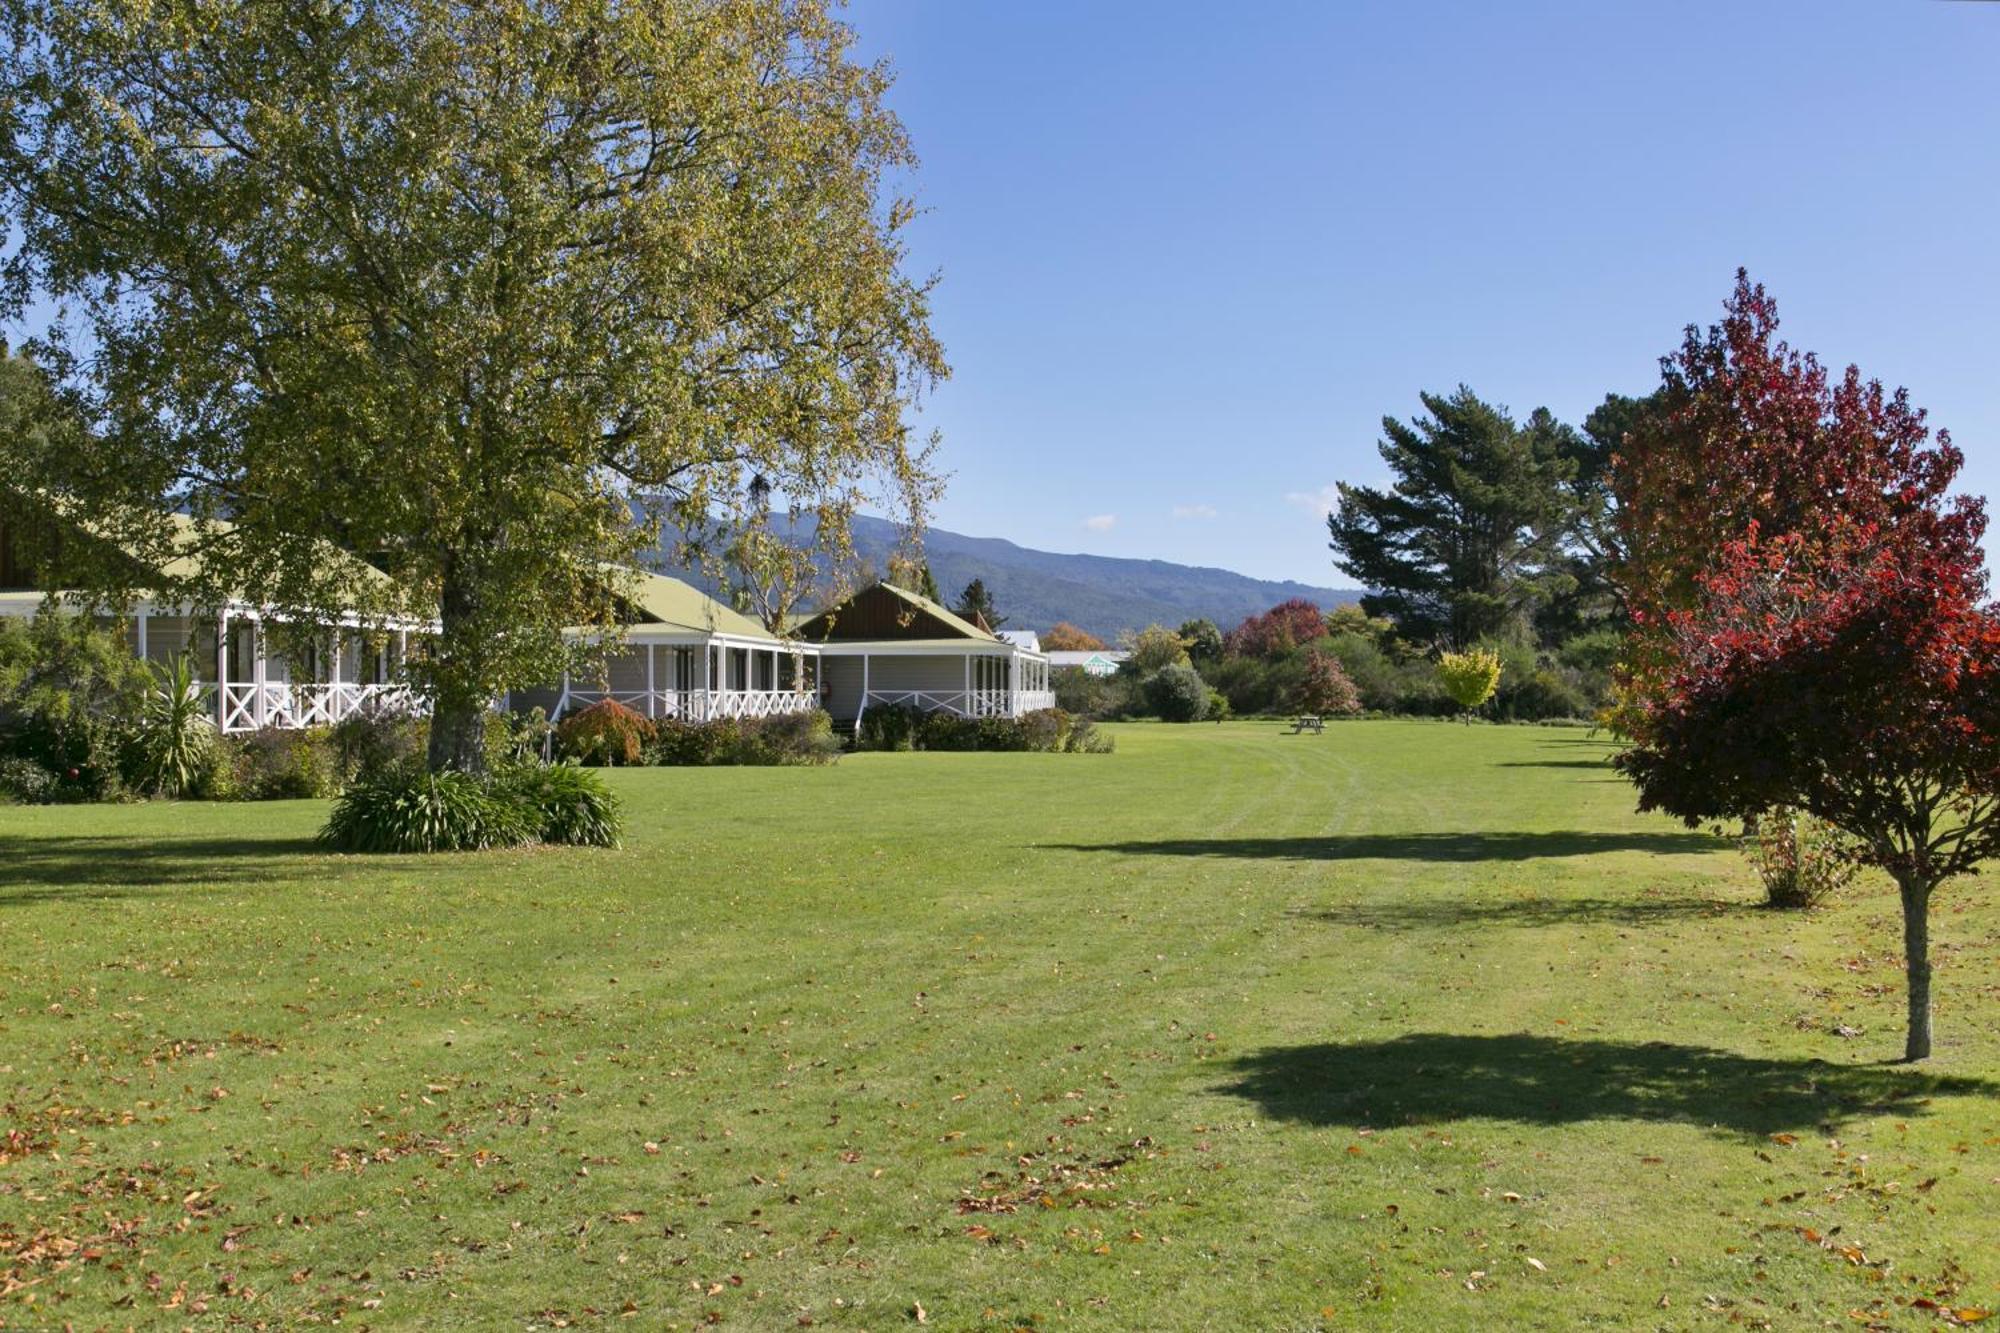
(965, 703)
(696, 705)
(275, 704)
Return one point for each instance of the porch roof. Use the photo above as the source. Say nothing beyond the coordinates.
(670, 603)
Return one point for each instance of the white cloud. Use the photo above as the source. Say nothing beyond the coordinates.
(1101, 522)
(1194, 511)
(1321, 502)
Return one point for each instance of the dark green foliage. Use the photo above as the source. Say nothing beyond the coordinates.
(565, 805)
(606, 733)
(409, 810)
(1079, 692)
(1085, 738)
(369, 744)
(798, 738)
(1218, 705)
(68, 690)
(25, 781)
(1177, 694)
(1468, 542)
(1046, 731)
(1203, 639)
(285, 765)
(888, 727)
(976, 601)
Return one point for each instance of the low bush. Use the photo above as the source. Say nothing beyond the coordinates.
(277, 764)
(888, 727)
(606, 733)
(26, 782)
(1085, 738)
(564, 804)
(795, 738)
(1047, 730)
(409, 810)
(369, 743)
(1801, 860)
(1177, 694)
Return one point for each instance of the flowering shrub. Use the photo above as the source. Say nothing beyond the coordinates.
(1801, 860)
(607, 732)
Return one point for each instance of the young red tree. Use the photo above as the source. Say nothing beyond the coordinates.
(1326, 689)
(1834, 650)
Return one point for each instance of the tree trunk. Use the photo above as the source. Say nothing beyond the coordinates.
(458, 737)
(458, 717)
(1917, 963)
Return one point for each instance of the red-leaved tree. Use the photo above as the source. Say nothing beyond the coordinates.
(1835, 651)
(1326, 688)
(1282, 628)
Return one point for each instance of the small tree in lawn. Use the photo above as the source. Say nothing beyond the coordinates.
(1861, 685)
(1326, 690)
(1469, 678)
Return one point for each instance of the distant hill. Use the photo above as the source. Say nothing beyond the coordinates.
(1104, 594)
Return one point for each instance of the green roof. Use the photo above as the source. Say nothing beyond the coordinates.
(669, 601)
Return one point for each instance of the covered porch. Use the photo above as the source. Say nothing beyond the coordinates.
(699, 678)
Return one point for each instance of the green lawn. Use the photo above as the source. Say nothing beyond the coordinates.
(1408, 1025)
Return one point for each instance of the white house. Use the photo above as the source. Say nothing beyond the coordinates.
(886, 645)
(1098, 661)
(1025, 639)
(339, 669)
(684, 654)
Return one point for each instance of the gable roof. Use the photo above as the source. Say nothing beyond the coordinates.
(659, 600)
(884, 611)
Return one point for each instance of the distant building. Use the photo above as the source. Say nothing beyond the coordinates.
(1098, 662)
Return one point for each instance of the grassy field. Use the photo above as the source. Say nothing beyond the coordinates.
(1410, 1025)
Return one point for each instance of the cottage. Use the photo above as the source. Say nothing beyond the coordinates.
(886, 645)
(1097, 662)
(324, 673)
(683, 654)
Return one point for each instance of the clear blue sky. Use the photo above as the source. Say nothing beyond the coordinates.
(1192, 253)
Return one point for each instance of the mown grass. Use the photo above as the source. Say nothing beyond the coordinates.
(1409, 1025)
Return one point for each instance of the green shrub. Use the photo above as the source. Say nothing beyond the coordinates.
(1801, 860)
(519, 738)
(1046, 730)
(1085, 738)
(795, 738)
(173, 746)
(1177, 694)
(369, 743)
(68, 690)
(409, 810)
(1218, 706)
(1085, 695)
(25, 781)
(606, 733)
(888, 727)
(563, 804)
(281, 764)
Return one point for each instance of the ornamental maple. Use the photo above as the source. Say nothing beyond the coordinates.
(1836, 652)
(1282, 628)
(1326, 689)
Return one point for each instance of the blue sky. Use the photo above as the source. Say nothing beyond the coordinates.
(1192, 253)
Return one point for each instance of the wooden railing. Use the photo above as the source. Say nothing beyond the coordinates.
(250, 707)
(696, 705)
(965, 703)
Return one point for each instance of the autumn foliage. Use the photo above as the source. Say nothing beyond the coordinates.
(1067, 638)
(1326, 689)
(1833, 652)
(1284, 627)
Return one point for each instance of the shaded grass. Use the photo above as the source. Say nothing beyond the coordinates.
(1223, 1030)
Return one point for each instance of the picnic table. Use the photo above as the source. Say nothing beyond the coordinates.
(1312, 722)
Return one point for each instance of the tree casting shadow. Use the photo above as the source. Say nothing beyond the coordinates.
(41, 869)
(1410, 846)
(1435, 1078)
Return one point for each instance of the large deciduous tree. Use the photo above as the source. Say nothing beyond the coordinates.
(1467, 541)
(475, 290)
(1812, 599)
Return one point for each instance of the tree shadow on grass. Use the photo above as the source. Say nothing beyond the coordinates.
(1602, 765)
(1410, 846)
(1450, 913)
(1436, 1078)
(34, 869)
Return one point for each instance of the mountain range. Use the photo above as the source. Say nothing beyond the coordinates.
(1106, 595)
